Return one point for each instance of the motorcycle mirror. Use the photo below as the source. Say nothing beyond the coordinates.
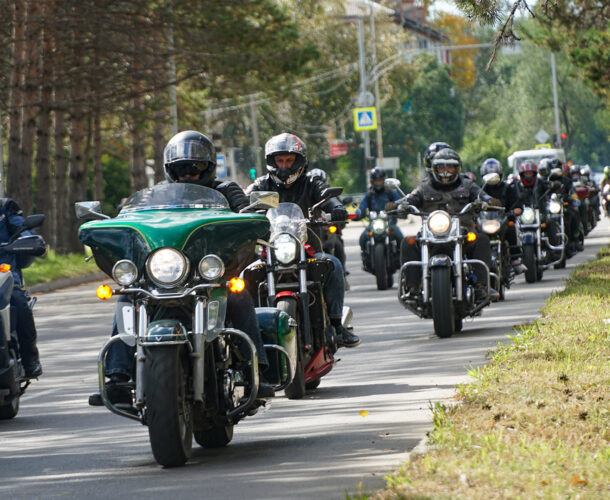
(491, 179)
(347, 200)
(331, 192)
(33, 221)
(262, 199)
(391, 183)
(89, 210)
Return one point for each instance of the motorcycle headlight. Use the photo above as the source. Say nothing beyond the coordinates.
(528, 215)
(167, 267)
(378, 226)
(439, 222)
(211, 267)
(285, 248)
(491, 226)
(554, 207)
(125, 272)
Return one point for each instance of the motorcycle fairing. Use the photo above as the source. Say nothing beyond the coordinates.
(197, 232)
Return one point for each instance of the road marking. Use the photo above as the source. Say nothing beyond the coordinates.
(38, 394)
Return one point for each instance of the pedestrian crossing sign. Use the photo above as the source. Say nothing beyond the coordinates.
(365, 119)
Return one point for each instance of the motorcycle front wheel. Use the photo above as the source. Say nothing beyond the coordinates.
(9, 410)
(296, 388)
(529, 260)
(443, 312)
(168, 413)
(381, 268)
(216, 437)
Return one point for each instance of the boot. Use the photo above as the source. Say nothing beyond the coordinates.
(346, 338)
(118, 392)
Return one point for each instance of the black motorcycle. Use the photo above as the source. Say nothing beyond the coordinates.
(291, 278)
(382, 250)
(13, 381)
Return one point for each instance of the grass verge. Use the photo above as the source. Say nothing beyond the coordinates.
(53, 266)
(535, 422)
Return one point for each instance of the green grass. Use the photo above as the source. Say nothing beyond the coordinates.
(536, 421)
(53, 266)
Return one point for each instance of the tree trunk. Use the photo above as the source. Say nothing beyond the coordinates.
(44, 181)
(159, 142)
(97, 156)
(13, 179)
(59, 239)
(30, 106)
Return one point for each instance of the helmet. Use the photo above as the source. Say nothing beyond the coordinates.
(491, 166)
(586, 171)
(545, 166)
(446, 157)
(555, 163)
(377, 174)
(575, 171)
(286, 144)
(431, 150)
(190, 153)
(606, 171)
(527, 166)
(318, 173)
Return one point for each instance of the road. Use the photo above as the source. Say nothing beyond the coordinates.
(319, 447)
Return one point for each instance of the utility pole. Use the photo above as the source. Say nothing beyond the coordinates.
(377, 110)
(255, 138)
(173, 106)
(365, 133)
(555, 100)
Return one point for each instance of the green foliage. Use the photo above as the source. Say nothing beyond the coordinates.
(54, 266)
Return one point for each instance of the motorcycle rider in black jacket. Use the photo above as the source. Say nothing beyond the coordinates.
(286, 158)
(447, 190)
(190, 157)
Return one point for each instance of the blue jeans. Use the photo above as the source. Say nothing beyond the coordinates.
(334, 289)
(240, 311)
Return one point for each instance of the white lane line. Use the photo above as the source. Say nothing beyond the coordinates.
(38, 394)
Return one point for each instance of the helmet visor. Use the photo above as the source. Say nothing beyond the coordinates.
(192, 150)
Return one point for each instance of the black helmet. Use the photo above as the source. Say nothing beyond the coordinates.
(431, 150)
(446, 157)
(377, 173)
(190, 153)
(286, 144)
(492, 166)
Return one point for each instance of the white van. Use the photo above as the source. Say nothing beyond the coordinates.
(535, 155)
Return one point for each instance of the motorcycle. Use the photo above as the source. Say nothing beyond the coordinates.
(291, 278)
(448, 282)
(606, 199)
(13, 381)
(539, 253)
(383, 252)
(175, 251)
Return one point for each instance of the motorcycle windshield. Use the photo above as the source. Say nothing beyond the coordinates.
(174, 195)
(288, 218)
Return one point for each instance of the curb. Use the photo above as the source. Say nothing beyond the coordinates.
(51, 286)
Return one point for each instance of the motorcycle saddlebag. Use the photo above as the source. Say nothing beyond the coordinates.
(275, 328)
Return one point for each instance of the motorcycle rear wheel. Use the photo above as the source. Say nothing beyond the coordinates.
(168, 413)
(313, 384)
(443, 311)
(9, 410)
(296, 389)
(381, 268)
(529, 260)
(216, 437)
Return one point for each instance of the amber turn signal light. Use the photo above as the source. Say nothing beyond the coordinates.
(104, 292)
(470, 237)
(5, 268)
(237, 285)
(332, 229)
(411, 240)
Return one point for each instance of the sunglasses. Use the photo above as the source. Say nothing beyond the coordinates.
(187, 169)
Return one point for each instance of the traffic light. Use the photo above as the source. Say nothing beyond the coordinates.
(252, 173)
(564, 136)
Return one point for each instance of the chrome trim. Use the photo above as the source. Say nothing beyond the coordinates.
(140, 357)
(199, 332)
(165, 296)
(284, 353)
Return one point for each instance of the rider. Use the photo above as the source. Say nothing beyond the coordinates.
(430, 151)
(447, 190)
(587, 180)
(11, 219)
(606, 180)
(190, 157)
(509, 195)
(376, 200)
(286, 158)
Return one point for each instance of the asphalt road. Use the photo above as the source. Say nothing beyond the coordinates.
(319, 447)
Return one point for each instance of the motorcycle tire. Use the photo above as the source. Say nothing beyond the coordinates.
(459, 324)
(313, 384)
(529, 261)
(296, 389)
(443, 312)
(381, 269)
(9, 410)
(168, 414)
(216, 437)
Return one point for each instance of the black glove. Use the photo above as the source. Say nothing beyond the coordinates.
(494, 202)
(404, 209)
(390, 205)
(338, 214)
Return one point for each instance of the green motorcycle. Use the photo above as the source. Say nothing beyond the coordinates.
(175, 251)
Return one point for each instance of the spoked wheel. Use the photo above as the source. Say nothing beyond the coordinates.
(9, 410)
(216, 437)
(168, 413)
(381, 269)
(443, 313)
(529, 260)
(296, 388)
